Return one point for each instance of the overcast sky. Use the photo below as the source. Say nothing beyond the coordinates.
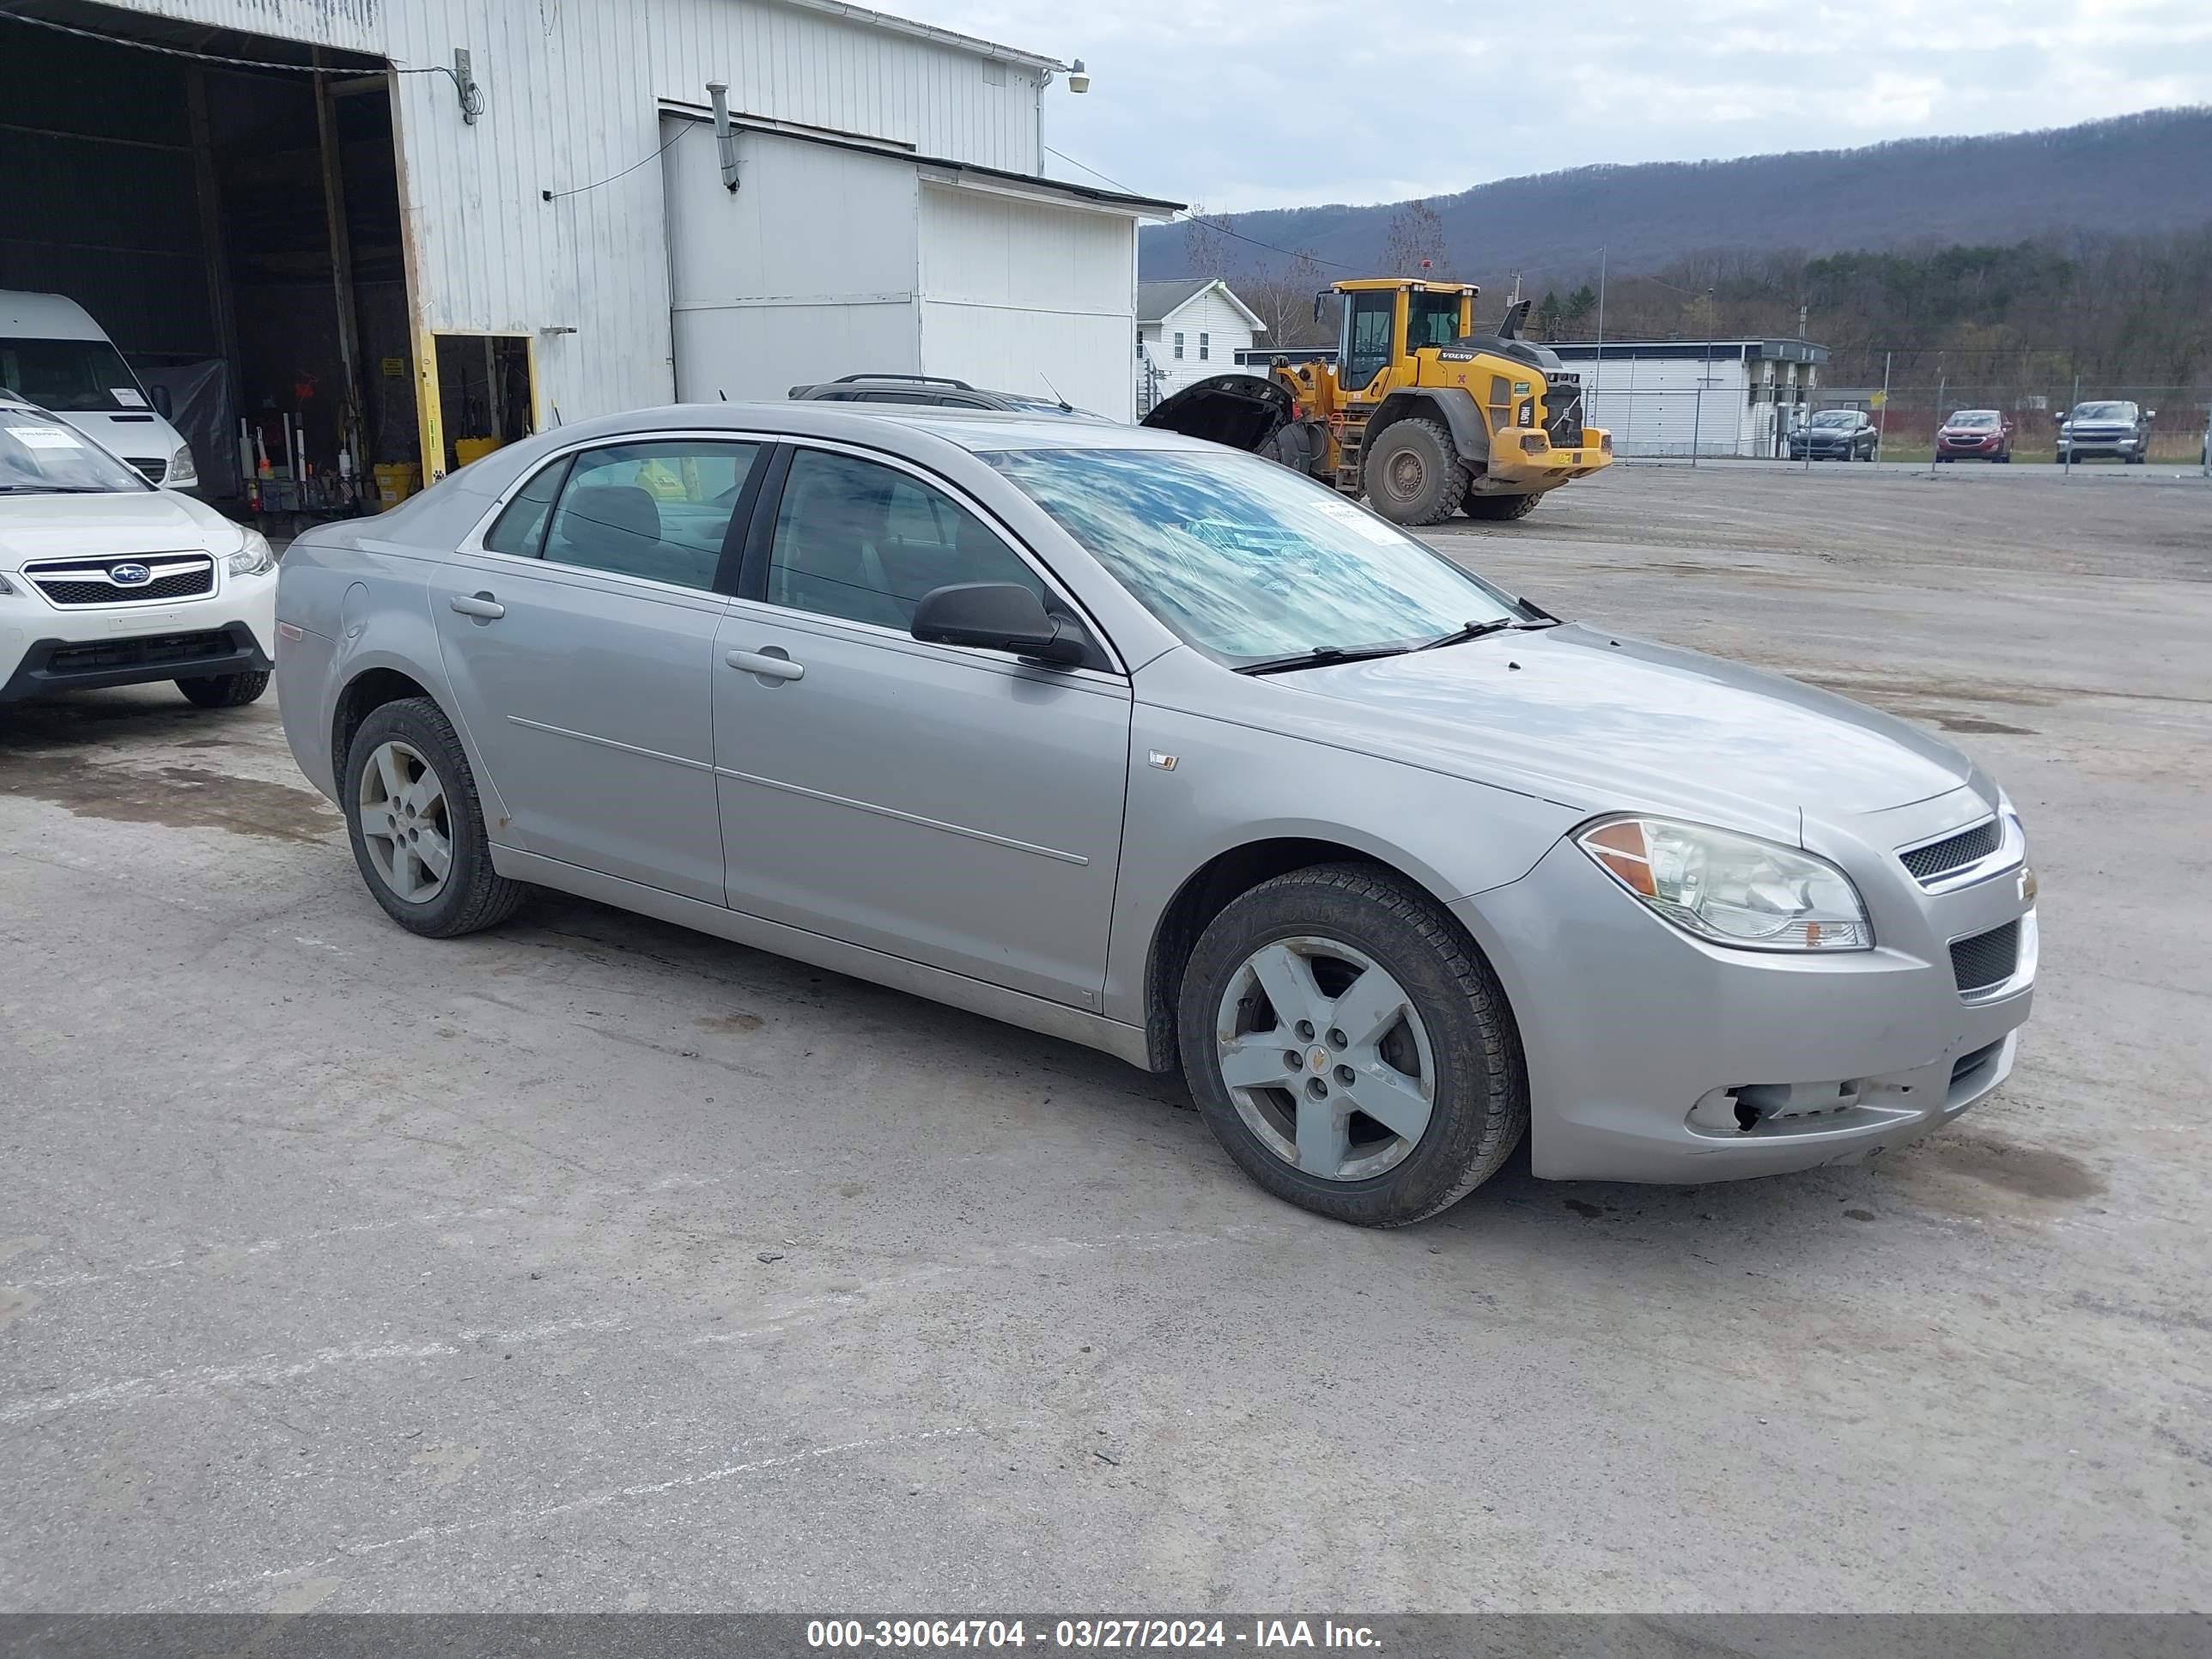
(1240, 105)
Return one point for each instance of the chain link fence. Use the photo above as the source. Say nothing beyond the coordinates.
(1725, 418)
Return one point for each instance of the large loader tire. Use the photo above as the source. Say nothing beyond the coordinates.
(1413, 473)
(1501, 506)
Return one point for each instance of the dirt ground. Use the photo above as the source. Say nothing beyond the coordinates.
(593, 1264)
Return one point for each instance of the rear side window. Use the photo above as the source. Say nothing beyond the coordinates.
(659, 510)
(520, 530)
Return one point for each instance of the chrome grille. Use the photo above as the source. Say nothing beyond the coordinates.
(1939, 859)
(91, 581)
(1987, 960)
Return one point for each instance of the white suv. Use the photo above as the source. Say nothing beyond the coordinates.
(106, 581)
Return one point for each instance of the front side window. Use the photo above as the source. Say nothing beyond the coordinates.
(1368, 323)
(866, 542)
(1246, 560)
(42, 456)
(659, 509)
(80, 376)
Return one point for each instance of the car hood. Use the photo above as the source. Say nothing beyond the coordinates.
(1603, 722)
(120, 523)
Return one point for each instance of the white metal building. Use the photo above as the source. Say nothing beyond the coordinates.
(1718, 396)
(560, 237)
(1188, 328)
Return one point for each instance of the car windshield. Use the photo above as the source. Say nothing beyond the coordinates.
(2104, 413)
(77, 375)
(1836, 418)
(1246, 560)
(1974, 419)
(40, 455)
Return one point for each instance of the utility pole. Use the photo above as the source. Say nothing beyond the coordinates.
(1881, 426)
(1698, 412)
(1597, 359)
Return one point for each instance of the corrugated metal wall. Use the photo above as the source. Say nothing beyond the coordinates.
(1022, 295)
(572, 90)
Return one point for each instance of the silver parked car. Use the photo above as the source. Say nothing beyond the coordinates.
(1161, 748)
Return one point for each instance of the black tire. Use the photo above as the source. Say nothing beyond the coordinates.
(1480, 1106)
(474, 896)
(1501, 506)
(224, 691)
(2138, 459)
(1413, 473)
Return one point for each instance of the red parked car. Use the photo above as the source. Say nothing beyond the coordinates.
(1980, 435)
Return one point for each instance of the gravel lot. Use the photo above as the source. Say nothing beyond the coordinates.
(593, 1264)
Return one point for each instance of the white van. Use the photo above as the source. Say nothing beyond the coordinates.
(54, 354)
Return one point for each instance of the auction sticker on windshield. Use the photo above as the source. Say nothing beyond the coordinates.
(46, 437)
(1364, 523)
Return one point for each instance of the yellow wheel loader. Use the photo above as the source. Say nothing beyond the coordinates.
(1420, 414)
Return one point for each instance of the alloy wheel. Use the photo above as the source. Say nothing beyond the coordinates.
(404, 822)
(1326, 1058)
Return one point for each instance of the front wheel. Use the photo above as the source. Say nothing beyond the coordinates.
(1349, 1049)
(1501, 506)
(416, 826)
(224, 691)
(1413, 473)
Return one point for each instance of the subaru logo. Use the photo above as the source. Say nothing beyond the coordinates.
(130, 575)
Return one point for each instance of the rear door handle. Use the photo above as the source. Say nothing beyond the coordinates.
(479, 605)
(768, 667)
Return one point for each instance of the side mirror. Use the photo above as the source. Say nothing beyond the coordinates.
(2150, 414)
(997, 616)
(164, 405)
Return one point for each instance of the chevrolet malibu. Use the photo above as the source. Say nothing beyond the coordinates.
(1161, 748)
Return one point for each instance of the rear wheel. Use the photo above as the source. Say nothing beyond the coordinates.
(1501, 506)
(1349, 1048)
(224, 691)
(416, 826)
(1413, 473)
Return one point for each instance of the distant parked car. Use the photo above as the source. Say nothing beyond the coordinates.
(933, 391)
(1835, 435)
(2114, 428)
(1975, 435)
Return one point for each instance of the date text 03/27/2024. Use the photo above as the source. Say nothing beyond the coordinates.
(1085, 1634)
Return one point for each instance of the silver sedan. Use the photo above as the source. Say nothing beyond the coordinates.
(1155, 746)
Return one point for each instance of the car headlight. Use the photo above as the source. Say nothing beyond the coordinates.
(254, 557)
(182, 472)
(1730, 889)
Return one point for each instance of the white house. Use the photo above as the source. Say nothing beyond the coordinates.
(396, 224)
(1188, 328)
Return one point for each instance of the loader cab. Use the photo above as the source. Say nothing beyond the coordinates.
(1386, 321)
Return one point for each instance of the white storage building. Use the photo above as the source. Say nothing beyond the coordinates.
(400, 223)
(1715, 397)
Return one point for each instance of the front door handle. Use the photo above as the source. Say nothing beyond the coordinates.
(479, 605)
(777, 667)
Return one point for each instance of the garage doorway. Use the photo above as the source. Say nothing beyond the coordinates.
(235, 230)
(486, 394)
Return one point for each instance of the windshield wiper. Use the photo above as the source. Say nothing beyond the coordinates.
(1475, 630)
(1320, 657)
(53, 489)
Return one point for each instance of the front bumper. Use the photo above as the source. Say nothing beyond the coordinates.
(2082, 449)
(46, 648)
(1639, 1041)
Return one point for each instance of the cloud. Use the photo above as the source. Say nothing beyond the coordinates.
(1244, 107)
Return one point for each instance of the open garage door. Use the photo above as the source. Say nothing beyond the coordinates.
(230, 219)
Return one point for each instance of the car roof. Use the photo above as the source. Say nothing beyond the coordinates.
(914, 431)
(45, 317)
